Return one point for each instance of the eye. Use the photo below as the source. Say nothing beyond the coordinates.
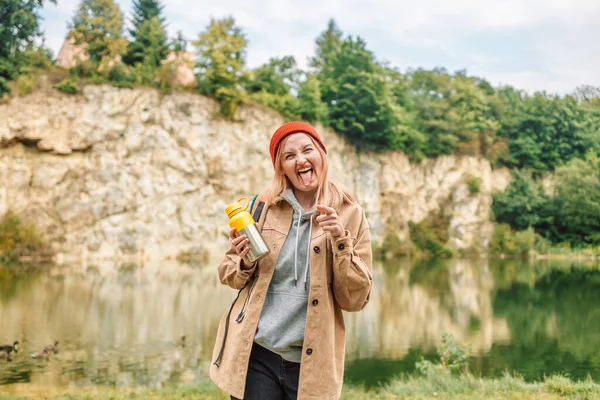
(308, 150)
(289, 156)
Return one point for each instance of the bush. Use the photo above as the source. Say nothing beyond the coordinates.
(144, 74)
(166, 76)
(453, 358)
(83, 69)
(4, 88)
(68, 86)
(230, 99)
(525, 241)
(39, 58)
(473, 185)
(431, 235)
(17, 239)
(542, 245)
(503, 241)
(97, 78)
(121, 77)
(286, 105)
(508, 242)
(25, 84)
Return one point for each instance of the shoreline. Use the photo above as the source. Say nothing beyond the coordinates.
(435, 386)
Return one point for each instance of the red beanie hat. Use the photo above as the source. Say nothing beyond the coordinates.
(289, 128)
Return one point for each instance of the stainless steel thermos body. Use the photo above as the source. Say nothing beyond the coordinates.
(258, 247)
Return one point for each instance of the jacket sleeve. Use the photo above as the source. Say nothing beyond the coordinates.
(230, 271)
(352, 266)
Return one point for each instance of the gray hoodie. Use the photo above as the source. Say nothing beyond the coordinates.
(281, 325)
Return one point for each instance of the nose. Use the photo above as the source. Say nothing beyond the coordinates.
(300, 160)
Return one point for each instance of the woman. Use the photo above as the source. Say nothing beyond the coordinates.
(286, 339)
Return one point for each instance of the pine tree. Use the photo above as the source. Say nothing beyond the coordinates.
(329, 43)
(179, 44)
(149, 45)
(144, 10)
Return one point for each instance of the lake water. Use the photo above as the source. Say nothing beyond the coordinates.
(115, 326)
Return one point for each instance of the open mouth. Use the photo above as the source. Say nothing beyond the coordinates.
(306, 175)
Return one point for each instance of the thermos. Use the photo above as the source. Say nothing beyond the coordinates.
(244, 224)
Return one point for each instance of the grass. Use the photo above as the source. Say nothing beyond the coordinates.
(436, 386)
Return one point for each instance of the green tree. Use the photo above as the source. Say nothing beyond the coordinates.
(221, 53)
(454, 113)
(287, 105)
(329, 43)
(149, 45)
(99, 24)
(400, 86)
(279, 76)
(430, 90)
(309, 95)
(179, 44)
(145, 10)
(273, 85)
(544, 132)
(327, 46)
(19, 27)
(523, 204)
(576, 203)
(476, 125)
(361, 102)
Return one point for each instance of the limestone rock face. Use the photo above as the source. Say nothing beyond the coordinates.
(117, 172)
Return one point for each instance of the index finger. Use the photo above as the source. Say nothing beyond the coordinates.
(325, 209)
(232, 233)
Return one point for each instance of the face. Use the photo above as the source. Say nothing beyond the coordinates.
(301, 162)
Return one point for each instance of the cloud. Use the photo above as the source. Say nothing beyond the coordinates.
(530, 44)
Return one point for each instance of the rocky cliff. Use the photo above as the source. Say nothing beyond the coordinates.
(119, 172)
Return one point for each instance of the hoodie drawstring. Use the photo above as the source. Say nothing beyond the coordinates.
(296, 250)
(307, 252)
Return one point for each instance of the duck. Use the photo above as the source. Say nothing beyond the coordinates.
(180, 342)
(8, 348)
(53, 347)
(5, 354)
(41, 354)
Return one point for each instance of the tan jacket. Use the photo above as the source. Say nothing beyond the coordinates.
(340, 279)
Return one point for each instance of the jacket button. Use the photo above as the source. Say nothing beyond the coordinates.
(315, 302)
(309, 351)
(317, 249)
(341, 246)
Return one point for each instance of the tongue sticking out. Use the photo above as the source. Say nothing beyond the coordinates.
(306, 177)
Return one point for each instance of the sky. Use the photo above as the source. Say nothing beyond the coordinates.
(534, 45)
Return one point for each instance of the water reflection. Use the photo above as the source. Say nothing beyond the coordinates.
(114, 328)
(116, 325)
(415, 303)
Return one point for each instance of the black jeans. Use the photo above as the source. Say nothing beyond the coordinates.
(270, 377)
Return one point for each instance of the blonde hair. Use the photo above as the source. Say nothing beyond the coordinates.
(329, 193)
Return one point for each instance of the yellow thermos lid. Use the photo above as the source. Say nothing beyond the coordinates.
(236, 207)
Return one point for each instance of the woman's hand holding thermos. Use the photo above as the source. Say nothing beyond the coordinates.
(240, 244)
